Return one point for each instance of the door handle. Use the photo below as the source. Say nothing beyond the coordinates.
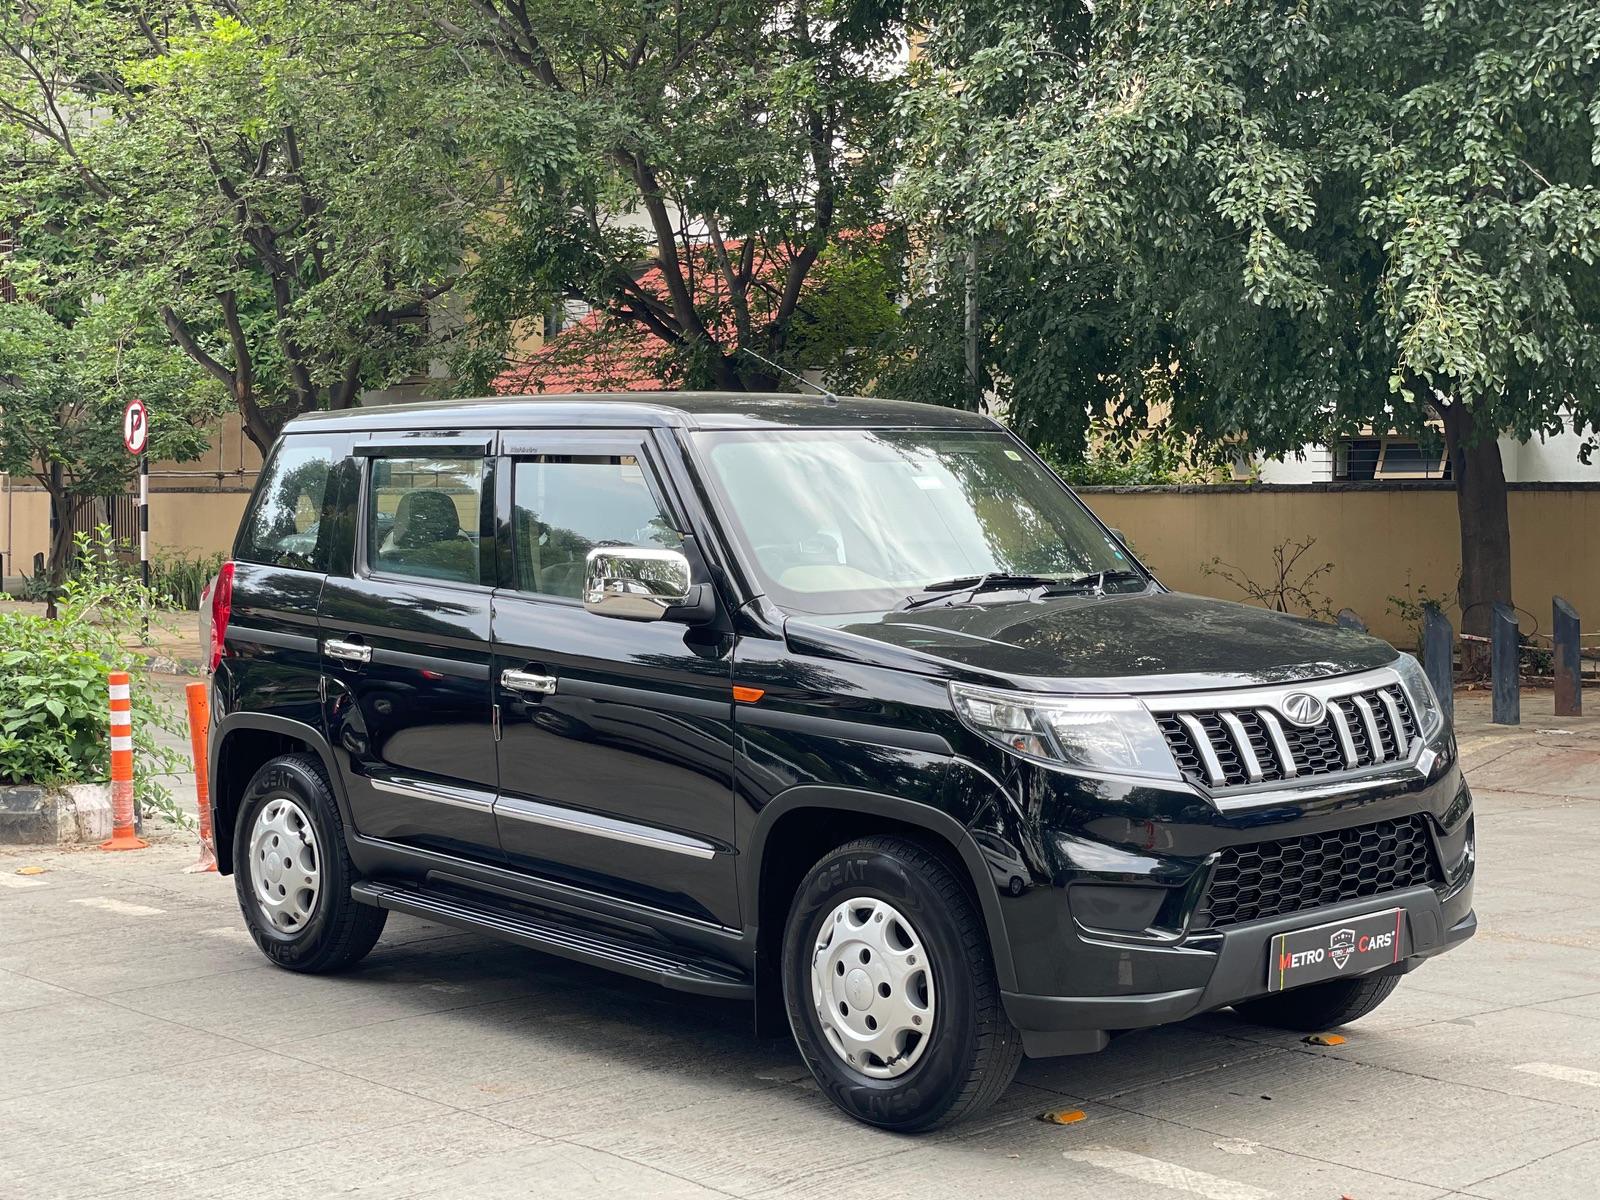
(350, 651)
(527, 681)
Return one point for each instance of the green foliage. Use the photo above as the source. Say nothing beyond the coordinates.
(285, 187)
(1307, 218)
(1410, 605)
(1121, 457)
(54, 727)
(179, 578)
(704, 173)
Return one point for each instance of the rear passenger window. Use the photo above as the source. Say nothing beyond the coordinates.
(566, 505)
(423, 517)
(283, 527)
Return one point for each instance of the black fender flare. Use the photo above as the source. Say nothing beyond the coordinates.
(894, 808)
(299, 730)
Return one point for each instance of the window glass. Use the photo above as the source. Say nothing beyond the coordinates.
(563, 506)
(849, 521)
(423, 517)
(284, 525)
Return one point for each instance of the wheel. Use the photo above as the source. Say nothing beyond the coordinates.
(1320, 1005)
(293, 873)
(890, 988)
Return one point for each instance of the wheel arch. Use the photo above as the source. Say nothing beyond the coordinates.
(240, 744)
(803, 811)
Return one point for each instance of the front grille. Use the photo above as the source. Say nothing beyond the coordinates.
(1271, 879)
(1362, 728)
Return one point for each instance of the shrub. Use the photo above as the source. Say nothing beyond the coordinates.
(179, 579)
(53, 699)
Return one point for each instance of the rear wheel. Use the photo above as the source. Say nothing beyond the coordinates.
(293, 874)
(891, 991)
(1320, 1005)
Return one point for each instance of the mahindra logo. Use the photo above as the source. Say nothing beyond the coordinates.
(1303, 708)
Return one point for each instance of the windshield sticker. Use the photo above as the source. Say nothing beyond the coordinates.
(1013, 456)
(928, 483)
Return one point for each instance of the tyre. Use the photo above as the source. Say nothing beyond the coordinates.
(293, 873)
(1320, 1006)
(890, 988)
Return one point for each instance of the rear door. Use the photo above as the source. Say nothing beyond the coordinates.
(405, 646)
(616, 751)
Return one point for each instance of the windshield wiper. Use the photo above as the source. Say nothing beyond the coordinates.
(1097, 581)
(948, 591)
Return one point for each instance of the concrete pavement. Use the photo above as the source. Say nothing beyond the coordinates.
(147, 1050)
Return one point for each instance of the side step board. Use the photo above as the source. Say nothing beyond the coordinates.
(599, 947)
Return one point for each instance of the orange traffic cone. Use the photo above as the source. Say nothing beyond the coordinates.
(199, 721)
(123, 836)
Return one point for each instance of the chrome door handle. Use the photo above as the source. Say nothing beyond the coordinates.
(351, 651)
(527, 681)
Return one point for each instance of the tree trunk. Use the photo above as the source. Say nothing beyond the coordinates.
(1480, 481)
(60, 555)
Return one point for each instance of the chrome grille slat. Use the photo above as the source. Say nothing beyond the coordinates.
(1208, 752)
(1401, 741)
(1252, 764)
(1228, 740)
(1341, 727)
(1279, 742)
(1370, 720)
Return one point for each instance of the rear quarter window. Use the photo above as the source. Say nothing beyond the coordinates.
(284, 526)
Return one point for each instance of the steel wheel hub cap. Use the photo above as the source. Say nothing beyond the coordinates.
(285, 866)
(872, 986)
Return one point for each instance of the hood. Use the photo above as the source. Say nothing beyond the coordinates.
(1162, 641)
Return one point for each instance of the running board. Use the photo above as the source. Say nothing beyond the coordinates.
(612, 950)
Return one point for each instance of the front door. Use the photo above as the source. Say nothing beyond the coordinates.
(405, 649)
(616, 751)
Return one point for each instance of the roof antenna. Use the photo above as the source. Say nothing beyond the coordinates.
(827, 396)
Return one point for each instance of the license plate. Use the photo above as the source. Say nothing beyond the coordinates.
(1351, 947)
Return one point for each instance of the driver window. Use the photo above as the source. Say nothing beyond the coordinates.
(564, 505)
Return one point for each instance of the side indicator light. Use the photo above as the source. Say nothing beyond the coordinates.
(748, 695)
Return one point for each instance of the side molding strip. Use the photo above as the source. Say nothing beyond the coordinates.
(604, 827)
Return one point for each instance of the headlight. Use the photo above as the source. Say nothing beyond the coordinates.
(1430, 717)
(1113, 735)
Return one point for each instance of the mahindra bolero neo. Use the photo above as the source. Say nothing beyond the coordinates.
(846, 708)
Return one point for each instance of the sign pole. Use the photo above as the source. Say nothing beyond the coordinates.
(144, 543)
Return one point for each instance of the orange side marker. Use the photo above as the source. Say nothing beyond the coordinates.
(199, 723)
(748, 695)
(123, 836)
(1324, 1039)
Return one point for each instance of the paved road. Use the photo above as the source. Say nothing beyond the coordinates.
(146, 1050)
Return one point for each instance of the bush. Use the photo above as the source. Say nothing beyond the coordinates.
(179, 579)
(53, 680)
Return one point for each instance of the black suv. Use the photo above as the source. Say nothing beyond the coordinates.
(845, 707)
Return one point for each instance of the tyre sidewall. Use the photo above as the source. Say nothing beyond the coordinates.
(920, 1096)
(297, 780)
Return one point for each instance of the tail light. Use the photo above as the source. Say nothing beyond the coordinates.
(221, 607)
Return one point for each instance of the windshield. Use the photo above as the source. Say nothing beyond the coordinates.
(855, 520)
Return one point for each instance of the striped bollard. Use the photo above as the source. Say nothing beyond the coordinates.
(199, 722)
(123, 836)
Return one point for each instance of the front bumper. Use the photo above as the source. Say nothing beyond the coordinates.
(1108, 937)
(1053, 1025)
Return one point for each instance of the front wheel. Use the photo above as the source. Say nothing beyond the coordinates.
(891, 991)
(293, 874)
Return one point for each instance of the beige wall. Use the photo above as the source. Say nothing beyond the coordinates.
(1373, 537)
(198, 522)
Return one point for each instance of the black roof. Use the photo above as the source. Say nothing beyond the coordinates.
(683, 410)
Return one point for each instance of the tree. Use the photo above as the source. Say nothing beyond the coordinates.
(716, 158)
(284, 185)
(64, 379)
(1300, 219)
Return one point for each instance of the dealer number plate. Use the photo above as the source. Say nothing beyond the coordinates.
(1351, 947)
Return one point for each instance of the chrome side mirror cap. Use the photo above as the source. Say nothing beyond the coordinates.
(637, 583)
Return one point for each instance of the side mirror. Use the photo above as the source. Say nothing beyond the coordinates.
(639, 584)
